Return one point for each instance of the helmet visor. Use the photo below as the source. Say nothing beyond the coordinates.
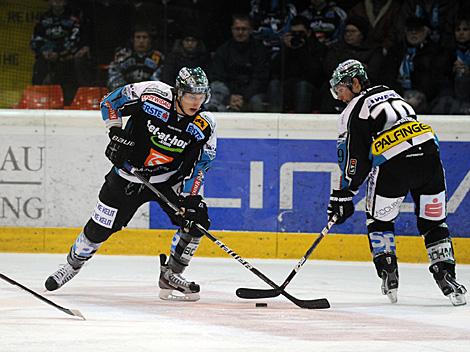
(336, 83)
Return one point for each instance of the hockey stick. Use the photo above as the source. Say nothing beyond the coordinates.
(252, 293)
(73, 312)
(320, 303)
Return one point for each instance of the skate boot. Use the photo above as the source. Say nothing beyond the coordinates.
(173, 286)
(61, 276)
(387, 269)
(444, 274)
(81, 251)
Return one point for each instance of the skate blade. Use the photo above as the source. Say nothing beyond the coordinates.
(457, 299)
(174, 295)
(393, 295)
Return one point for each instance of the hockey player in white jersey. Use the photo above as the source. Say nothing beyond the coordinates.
(171, 140)
(381, 140)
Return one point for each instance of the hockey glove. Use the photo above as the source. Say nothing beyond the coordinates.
(194, 212)
(341, 204)
(119, 147)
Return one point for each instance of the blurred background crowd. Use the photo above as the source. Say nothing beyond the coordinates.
(260, 55)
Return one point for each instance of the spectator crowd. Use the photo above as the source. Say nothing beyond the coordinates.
(268, 56)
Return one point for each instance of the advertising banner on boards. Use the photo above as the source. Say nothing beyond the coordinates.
(284, 186)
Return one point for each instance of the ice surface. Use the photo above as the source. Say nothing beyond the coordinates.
(118, 297)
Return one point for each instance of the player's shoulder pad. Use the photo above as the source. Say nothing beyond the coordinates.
(375, 89)
(160, 89)
(209, 118)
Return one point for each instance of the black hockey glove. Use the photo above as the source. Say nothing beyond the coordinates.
(119, 147)
(341, 204)
(195, 212)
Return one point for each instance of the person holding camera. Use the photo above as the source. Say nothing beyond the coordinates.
(353, 46)
(296, 71)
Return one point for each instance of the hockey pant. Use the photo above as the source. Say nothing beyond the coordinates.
(420, 172)
(117, 203)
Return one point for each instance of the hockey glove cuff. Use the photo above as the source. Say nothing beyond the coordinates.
(194, 212)
(119, 147)
(341, 204)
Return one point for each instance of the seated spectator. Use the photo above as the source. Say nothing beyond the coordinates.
(189, 51)
(457, 101)
(381, 16)
(352, 46)
(327, 21)
(439, 14)
(271, 21)
(62, 52)
(419, 64)
(297, 72)
(241, 65)
(140, 63)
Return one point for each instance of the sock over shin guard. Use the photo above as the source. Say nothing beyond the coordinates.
(81, 251)
(183, 247)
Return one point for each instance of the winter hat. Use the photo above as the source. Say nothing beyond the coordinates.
(360, 23)
(414, 22)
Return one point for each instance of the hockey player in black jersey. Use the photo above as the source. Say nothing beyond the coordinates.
(381, 140)
(170, 140)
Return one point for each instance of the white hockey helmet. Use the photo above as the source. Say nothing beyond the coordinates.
(344, 74)
(193, 80)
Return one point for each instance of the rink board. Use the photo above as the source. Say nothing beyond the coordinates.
(267, 190)
(246, 244)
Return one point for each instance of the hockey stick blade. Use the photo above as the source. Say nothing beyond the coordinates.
(320, 303)
(253, 293)
(73, 312)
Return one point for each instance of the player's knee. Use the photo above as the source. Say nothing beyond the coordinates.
(432, 231)
(97, 233)
(374, 225)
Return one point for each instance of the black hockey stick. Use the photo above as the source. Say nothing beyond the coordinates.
(73, 312)
(252, 293)
(320, 303)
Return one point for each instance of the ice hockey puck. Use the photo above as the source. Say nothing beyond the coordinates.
(261, 305)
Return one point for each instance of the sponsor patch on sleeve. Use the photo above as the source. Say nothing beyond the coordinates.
(200, 122)
(194, 130)
(352, 166)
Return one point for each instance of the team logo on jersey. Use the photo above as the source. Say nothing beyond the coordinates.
(165, 141)
(156, 100)
(200, 122)
(156, 111)
(155, 158)
(194, 130)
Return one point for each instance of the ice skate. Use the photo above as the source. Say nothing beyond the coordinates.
(173, 286)
(445, 278)
(390, 285)
(60, 277)
(387, 269)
